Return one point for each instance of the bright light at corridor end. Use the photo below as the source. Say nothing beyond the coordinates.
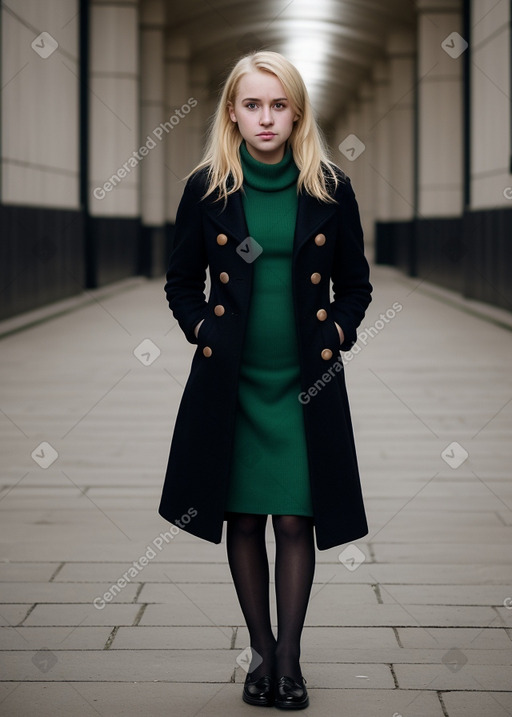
(309, 55)
(308, 29)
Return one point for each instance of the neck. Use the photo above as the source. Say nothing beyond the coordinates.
(266, 176)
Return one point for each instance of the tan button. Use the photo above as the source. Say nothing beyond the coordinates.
(219, 310)
(316, 278)
(321, 314)
(320, 239)
(222, 239)
(326, 354)
(207, 351)
(224, 277)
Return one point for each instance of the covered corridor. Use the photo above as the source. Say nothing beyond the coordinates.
(104, 607)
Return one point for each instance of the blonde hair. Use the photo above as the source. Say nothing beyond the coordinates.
(222, 154)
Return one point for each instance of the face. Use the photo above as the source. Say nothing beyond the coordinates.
(264, 115)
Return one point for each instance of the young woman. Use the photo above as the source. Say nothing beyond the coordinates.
(264, 425)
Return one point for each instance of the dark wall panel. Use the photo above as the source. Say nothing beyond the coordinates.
(114, 249)
(394, 245)
(440, 250)
(384, 243)
(41, 257)
(153, 251)
(488, 275)
(471, 255)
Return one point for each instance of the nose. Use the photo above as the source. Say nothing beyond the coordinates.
(266, 116)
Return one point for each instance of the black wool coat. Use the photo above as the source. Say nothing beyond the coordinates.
(328, 245)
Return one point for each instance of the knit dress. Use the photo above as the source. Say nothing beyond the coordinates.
(269, 467)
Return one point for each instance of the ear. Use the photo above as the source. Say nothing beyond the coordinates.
(231, 111)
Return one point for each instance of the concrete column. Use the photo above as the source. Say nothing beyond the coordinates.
(114, 161)
(349, 160)
(178, 99)
(365, 182)
(490, 124)
(351, 139)
(199, 117)
(339, 132)
(401, 53)
(152, 112)
(380, 129)
(440, 120)
(40, 90)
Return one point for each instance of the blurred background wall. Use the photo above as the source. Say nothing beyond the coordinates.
(105, 104)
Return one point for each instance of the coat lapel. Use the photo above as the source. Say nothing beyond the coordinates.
(231, 219)
(311, 214)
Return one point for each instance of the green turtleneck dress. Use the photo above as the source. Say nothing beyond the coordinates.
(269, 469)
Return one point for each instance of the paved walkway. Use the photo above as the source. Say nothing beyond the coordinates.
(413, 621)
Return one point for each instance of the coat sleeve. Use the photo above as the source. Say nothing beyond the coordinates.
(186, 273)
(350, 272)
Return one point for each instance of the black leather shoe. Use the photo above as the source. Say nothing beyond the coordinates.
(291, 695)
(259, 692)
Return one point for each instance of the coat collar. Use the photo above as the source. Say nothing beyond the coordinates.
(311, 214)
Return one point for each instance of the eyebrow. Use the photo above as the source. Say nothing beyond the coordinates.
(257, 99)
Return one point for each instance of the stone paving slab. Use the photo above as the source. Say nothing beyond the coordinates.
(88, 699)
(47, 615)
(398, 656)
(432, 485)
(478, 704)
(183, 611)
(11, 615)
(106, 525)
(392, 573)
(18, 500)
(176, 638)
(505, 613)
(399, 531)
(54, 638)
(469, 553)
(120, 549)
(27, 572)
(62, 593)
(487, 502)
(155, 572)
(195, 666)
(445, 594)
(460, 677)
(494, 637)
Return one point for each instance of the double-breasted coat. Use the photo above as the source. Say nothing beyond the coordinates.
(328, 245)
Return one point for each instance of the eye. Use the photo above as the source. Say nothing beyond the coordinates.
(279, 105)
(251, 105)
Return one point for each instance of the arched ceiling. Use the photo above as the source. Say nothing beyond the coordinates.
(334, 43)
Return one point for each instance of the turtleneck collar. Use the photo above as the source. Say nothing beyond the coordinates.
(268, 177)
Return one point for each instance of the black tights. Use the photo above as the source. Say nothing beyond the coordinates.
(294, 570)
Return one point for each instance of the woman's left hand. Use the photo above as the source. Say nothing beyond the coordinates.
(340, 331)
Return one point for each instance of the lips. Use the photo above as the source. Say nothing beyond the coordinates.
(266, 135)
